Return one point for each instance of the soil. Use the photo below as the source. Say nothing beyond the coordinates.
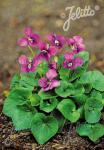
(67, 140)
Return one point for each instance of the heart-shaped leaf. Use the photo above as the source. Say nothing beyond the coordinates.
(61, 120)
(15, 81)
(16, 97)
(27, 81)
(93, 109)
(78, 72)
(94, 132)
(68, 109)
(64, 74)
(48, 105)
(46, 95)
(95, 78)
(92, 103)
(22, 119)
(80, 99)
(66, 89)
(88, 88)
(92, 116)
(35, 99)
(44, 127)
(84, 55)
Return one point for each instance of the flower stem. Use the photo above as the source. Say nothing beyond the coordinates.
(31, 50)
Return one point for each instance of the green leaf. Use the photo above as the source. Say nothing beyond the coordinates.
(44, 127)
(92, 116)
(81, 111)
(15, 81)
(68, 109)
(80, 99)
(46, 95)
(98, 81)
(35, 99)
(42, 68)
(87, 88)
(61, 120)
(94, 132)
(84, 55)
(60, 61)
(78, 89)
(95, 78)
(78, 72)
(71, 75)
(96, 95)
(48, 105)
(92, 103)
(22, 119)
(27, 81)
(103, 99)
(16, 106)
(64, 73)
(16, 97)
(93, 109)
(66, 89)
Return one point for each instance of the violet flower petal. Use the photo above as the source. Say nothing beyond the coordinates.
(78, 48)
(51, 74)
(78, 62)
(43, 82)
(45, 56)
(49, 37)
(37, 60)
(28, 31)
(78, 39)
(23, 42)
(24, 68)
(61, 39)
(23, 60)
(53, 65)
(54, 83)
(42, 45)
(69, 55)
(65, 64)
(71, 41)
(53, 50)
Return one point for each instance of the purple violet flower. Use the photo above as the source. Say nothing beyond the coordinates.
(48, 83)
(46, 51)
(30, 39)
(71, 62)
(56, 40)
(77, 44)
(28, 64)
(53, 65)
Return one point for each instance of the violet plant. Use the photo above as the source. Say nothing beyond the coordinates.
(54, 88)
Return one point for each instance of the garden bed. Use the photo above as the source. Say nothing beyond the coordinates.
(68, 139)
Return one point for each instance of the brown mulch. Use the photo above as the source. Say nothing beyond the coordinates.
(66, 140)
